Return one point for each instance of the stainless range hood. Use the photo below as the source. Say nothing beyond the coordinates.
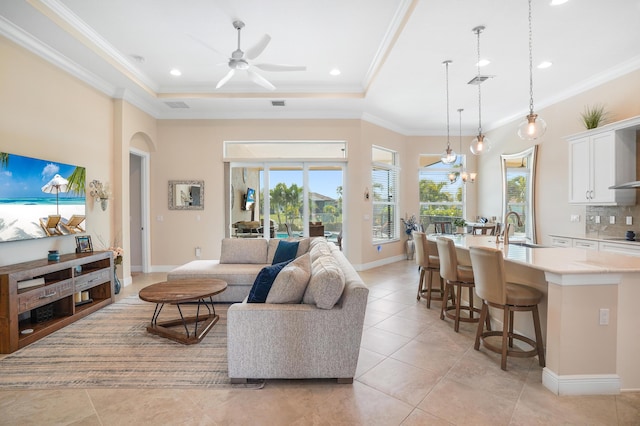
(627, 185)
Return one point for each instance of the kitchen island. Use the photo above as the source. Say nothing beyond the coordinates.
(589, 314)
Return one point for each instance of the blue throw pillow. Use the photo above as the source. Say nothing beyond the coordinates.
(286, 250)
(264, 281)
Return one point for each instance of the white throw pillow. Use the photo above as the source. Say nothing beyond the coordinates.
(291, 283)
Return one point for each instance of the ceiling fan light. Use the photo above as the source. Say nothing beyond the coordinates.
(532, 127)
(480, 145)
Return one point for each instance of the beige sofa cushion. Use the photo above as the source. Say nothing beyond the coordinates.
(244, 250)
(326, 284)
(291, 283)
(318, 248)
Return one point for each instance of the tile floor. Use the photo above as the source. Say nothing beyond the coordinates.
(413, 370)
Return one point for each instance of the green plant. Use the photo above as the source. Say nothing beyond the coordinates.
(459, 222)
(593, 116)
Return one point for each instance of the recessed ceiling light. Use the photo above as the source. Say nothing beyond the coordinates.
(335, 71)
(544, 64)
(483, 63)
(175, 72)
(558, 2)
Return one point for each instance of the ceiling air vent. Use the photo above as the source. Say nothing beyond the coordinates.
(479, 79)
(277, 103)
(176, 104)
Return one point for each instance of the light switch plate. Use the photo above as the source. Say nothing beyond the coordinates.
(629, 220)
(612, 220)
(575, 218)
(597, 219)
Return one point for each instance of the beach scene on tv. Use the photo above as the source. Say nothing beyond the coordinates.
(40, 198)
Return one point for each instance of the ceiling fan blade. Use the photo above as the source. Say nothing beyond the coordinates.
(280, 67)
(226, 78)
(258, 79)
(207, 45)
(255, 51)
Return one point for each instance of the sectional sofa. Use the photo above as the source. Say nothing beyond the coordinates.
(317, 336)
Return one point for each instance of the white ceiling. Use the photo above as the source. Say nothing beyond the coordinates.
(390, 53)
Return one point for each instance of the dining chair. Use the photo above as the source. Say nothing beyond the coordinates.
(483, 230)
(441, 227)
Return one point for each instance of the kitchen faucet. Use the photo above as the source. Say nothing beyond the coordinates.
(507, 226)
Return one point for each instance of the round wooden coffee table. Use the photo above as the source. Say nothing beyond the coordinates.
(178, 292)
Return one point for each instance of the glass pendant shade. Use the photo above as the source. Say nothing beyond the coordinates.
(464, 176)
(448, 156)
(472, 177)
(452, 177)
(532, 127)
(480, 145)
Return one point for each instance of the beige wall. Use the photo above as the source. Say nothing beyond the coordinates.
(46, 113)
(553, 211)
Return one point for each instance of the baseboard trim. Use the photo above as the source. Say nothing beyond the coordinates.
(581, 384)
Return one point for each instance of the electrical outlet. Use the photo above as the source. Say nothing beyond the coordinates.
(612, 220)
(198, 252)
(597, 219)
(629, 220)
(604, 316)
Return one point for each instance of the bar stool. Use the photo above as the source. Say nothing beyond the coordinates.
(456, 277)
(495, 291)
(428, 265)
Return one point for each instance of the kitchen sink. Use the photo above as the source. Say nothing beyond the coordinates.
(526, 244)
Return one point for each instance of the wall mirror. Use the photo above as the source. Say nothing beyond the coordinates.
(186, 195)
(518, 191)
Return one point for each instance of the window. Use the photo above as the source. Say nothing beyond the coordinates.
(518, 180)
(440, 200)
(384, 184)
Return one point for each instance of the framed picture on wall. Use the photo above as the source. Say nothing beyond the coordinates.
(83, 244)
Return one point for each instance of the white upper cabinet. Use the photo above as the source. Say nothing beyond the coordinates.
(601, 158)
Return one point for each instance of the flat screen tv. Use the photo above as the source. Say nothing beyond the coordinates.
(249, 198)
(40, 198)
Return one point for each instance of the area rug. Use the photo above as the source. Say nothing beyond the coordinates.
(112, 349)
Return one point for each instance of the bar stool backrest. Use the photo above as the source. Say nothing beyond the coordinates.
(448, 258)
(489, 274)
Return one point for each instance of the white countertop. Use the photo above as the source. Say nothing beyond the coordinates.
(622, 240)
(557, 260)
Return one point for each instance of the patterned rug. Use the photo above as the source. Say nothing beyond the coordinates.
(112, 349)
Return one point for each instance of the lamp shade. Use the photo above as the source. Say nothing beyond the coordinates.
(480, 145)
(532, 127)
(448, 156)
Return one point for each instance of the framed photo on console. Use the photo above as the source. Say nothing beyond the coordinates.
(83, 244)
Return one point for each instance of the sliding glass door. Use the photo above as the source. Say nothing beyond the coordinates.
(296, 199)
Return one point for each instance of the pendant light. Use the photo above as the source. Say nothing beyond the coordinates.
(533, 126)
(464, 175)
(448, 156)
(480, 144)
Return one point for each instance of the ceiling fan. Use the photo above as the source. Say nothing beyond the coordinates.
(239, 61)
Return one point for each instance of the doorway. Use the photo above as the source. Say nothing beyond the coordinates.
(138, 211)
